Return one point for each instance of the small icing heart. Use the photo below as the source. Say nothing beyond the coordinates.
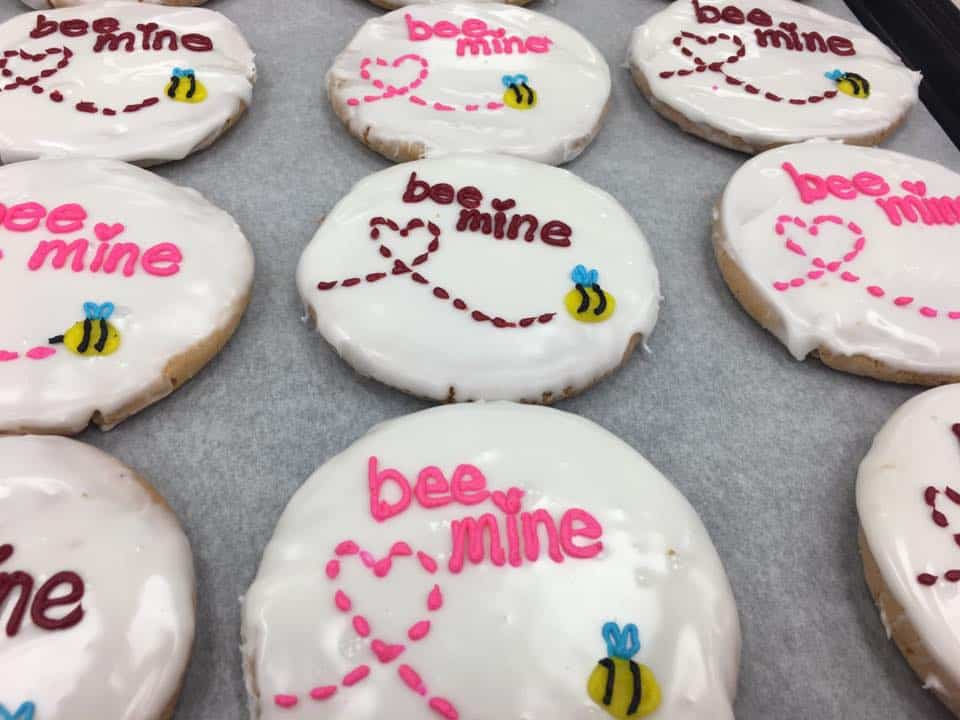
(108, 232)
(385, 652)
(508, 502)
(917, 188)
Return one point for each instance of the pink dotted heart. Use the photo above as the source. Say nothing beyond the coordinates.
(415, 69)
(819, 267)
(384, 651)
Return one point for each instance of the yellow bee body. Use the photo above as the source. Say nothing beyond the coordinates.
(518, 95)
(184, 87)
(86, 336)
(93, 335)
(622, 687)
(588, 302)
(851, 84)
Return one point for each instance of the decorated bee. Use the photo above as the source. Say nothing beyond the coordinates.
(93, 335)
(184, 86)
(519, 95)
(619, 685)
(850, 83)
(588, 302)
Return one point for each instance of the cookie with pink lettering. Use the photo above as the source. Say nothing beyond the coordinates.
(124, 80)
(96, 583)
(125, 286)
(480, 277)
(848, 254)
(908, 499)
(470, 77)
(754, 74)
(458, 544)
(394, 4)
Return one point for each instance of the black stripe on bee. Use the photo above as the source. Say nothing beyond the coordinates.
(602, 305)
(85, 342)
(102, 340)
(584, 299)
(611, 677)
(860, 83)
(527, 96)
(637, 688)
(174, 84)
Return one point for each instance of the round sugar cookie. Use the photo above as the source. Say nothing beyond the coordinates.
(96, 580)
(480, 278)
(490, 546)
(908, 498)
(754, 75)
(124, 80)
(470, 77)
(123, 284)
(51, 4)
(850, 254)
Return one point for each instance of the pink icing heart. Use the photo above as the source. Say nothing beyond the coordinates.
(917, 188)
(385, 652)
(819, 266)
(406, 72)
(509, 502)
(108, 232)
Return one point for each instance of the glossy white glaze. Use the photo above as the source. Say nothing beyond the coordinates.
(913, 260)
(707, 97)
(917, 449)
(158, 317)
(396, 331)
(572, 80)
(65, 506)
(31, 125)
(509, 642)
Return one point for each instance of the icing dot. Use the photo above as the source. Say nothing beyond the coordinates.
(419, 630)
(361, 626)
(356, 675)
(435, 599)
(323, 693)
(333, 569)
(285, 701)
(926, 579)
(342, 601)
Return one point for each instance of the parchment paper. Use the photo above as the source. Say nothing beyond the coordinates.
(764, 447)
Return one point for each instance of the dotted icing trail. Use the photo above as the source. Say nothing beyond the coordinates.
(700, 65)
(930, 496)
(399, 267)
(387, 91)
(820, 266)
(34, 81)
(385, 652)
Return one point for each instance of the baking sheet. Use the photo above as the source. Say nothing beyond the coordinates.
(764, 447)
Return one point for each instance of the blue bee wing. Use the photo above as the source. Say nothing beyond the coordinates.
(629, 641)
(508, 80)
(91, 310)
(833, 75)
(580, 275)
(24, 712)
(611, 636)
(521, 78)
(593, 277)
(189, 72)
(106, 310)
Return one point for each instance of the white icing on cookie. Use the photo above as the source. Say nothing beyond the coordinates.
(404, 3)
(443, 76)
(457, 310)
(876, 279)
(69, 509)
(176, 268)
(910, 527)
(75, 99)
(754, 49)
(529, 627)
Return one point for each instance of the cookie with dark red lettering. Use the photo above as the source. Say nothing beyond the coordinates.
(470, 77)
(52, 4)
(908, 499)
(125, 80)
(847, 254)
(753, 74)
(124, 285)
(96, 583)
(480, 277)
(452, 544)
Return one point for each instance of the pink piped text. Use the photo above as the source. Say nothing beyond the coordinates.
(475, 37)
(509, 535)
